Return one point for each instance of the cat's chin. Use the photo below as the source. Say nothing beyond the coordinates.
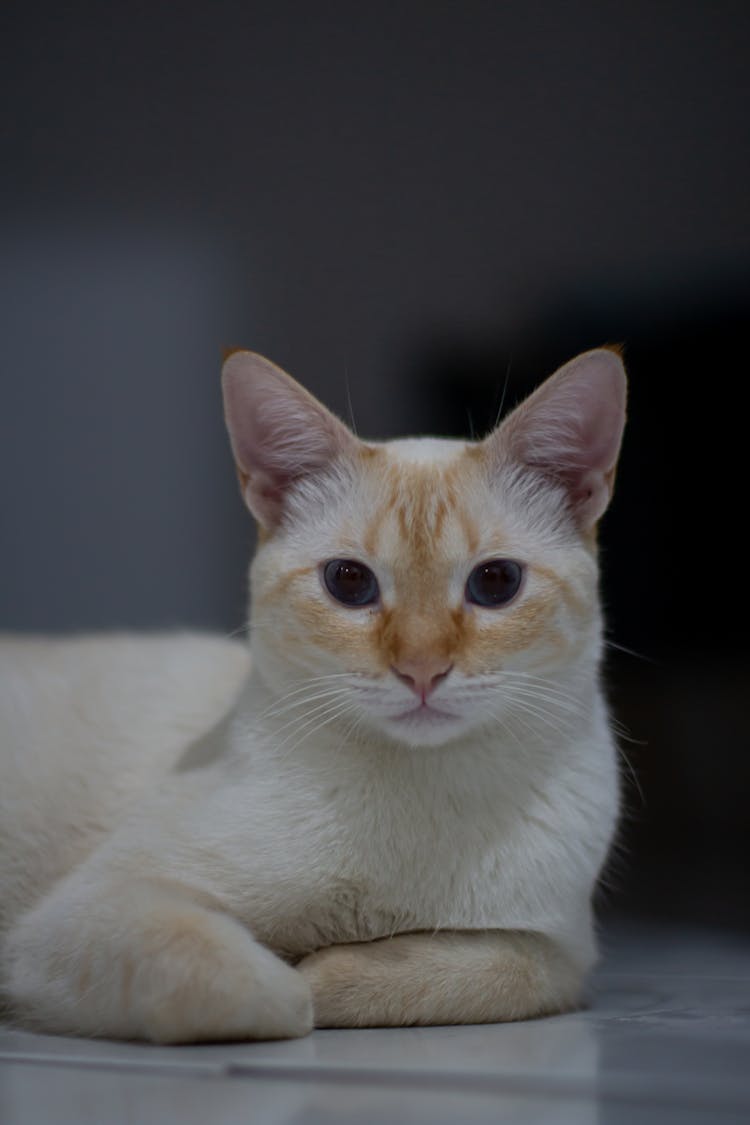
(423, 726)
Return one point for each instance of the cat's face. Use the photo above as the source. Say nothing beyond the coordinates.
(420, 589)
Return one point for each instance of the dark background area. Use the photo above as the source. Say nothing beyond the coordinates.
(419, 207)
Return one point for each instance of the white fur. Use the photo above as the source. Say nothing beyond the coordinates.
(166, 819)
(339, 843)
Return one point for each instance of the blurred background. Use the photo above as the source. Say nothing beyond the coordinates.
(418, 207)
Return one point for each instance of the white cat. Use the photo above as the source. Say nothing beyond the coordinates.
(397, 813)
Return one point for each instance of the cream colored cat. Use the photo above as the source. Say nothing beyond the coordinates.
(397, 813)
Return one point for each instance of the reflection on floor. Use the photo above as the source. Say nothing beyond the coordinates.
(665, 1040)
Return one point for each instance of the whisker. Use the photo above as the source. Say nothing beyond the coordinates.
(306, 724)
(623, 733)
(543, 715)
(509, 676)
(532, 680)
(312, 725)
(241, 630)
(502, 721)
(285, 706)
(524, 691)
(351, 730)
(629, 651)
(632, 774)
(548, 704)
(313, 713)
(310, 682)
(300, 687)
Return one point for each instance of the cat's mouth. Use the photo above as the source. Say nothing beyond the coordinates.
(424, 724)
(423, 711)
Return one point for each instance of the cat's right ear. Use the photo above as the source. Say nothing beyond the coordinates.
(569, 430)
(279, 433)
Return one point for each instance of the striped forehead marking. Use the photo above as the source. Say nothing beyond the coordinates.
(421, 499)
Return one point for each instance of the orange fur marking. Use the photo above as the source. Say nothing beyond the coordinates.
(420, 528)
(284, 581)
(227, 352)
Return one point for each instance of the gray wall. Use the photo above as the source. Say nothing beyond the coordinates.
(336, 185)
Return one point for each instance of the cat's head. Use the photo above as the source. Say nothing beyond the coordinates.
(423, 588)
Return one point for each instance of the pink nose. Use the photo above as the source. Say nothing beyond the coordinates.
(422, 676)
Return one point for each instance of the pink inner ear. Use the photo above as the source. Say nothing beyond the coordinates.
(570, 429)
(279, 432)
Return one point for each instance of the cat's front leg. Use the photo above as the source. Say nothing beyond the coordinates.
(441, 978)
(147, 960)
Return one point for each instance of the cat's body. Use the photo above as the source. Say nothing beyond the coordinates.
(89, 727)
(404, 761)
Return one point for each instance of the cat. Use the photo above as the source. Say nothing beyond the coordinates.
(394, 809)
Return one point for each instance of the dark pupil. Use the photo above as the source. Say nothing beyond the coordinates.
(494, 583)
(350, 582)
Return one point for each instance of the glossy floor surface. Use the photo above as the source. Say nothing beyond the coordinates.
(666, 1039)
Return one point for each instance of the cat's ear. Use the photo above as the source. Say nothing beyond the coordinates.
(570, 430)
(278, 431)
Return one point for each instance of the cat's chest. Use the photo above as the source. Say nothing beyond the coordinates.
(368, 859)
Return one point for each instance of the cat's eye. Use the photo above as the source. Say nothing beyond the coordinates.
(350, 582)
(494, 583)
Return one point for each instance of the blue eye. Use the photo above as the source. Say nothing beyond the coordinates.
(351, 582)
(494, 583)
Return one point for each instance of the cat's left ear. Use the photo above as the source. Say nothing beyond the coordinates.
(279, 433)
(570, 430)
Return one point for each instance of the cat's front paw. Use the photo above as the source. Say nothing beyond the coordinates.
(441, 978)
(339, 977)
(162, 970)
(224, 986)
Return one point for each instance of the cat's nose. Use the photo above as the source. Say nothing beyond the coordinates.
(422, 675)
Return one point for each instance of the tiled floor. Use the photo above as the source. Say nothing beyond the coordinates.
(666, 1040)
